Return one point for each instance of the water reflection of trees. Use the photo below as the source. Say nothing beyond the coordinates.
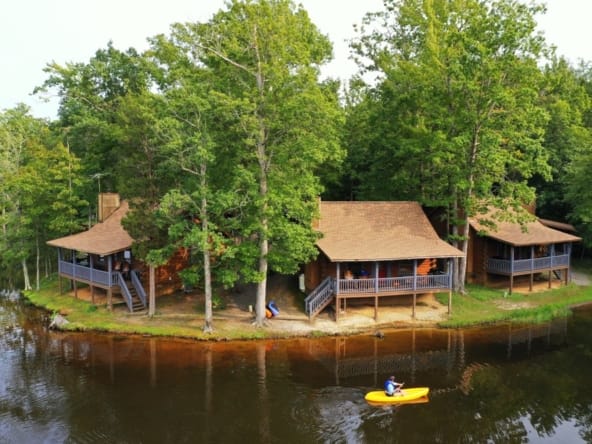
(489, 385)
(512, 381)
(454, 353)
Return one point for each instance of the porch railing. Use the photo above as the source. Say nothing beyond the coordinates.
(506, 266)
(86, 273)
(127, 296)
(135, 276)
(319, 298)
(384, 285)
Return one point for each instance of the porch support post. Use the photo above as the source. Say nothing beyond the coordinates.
(550, 277)
(337, 277)
(511, 268)
(485, 265)
(337, 307)
(92, 278)
(376, 307)
(450, 272)
(376, 277)
(449, 301)
(59, 273)
(414, 286)
(74, 281)
(531, 282)
(567, 272)
(152, 291)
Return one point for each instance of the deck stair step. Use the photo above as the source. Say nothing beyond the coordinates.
(319, 298)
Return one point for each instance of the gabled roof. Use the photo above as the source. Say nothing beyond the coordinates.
(531, 233)
(104, 238)
(374, 231)
(561, 226)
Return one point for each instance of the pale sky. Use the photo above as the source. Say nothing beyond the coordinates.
(36, 32)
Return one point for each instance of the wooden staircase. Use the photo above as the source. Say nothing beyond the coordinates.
(137, 304)
(319, 298)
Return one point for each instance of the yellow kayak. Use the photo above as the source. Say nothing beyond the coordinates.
(408, 394)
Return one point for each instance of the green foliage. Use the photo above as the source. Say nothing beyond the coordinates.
(262, 122)
(39, 189)
(455, 119)
(225, 127)
(568, 140)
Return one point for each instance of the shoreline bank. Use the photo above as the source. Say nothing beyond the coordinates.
(181, 315)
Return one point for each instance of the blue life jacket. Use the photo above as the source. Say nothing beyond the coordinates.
(389, 386)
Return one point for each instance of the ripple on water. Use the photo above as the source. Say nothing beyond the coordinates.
(337, 414)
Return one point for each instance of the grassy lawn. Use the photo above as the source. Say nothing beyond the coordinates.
(479, 306)
(485, 305)
(84, 316)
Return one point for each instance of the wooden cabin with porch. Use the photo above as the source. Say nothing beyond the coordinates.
(512, 250)
(101, 258)
(376, 251)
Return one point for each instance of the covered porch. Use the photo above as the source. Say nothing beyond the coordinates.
(376, 252)
(101, 258)
(531, 249)
(551, 259)
(393, 278)
(112, 273)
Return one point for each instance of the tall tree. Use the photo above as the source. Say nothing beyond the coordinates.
(568, 139)
(39, 189)
(462, 79)
(93, 111)
(194, 206)
(281, 121)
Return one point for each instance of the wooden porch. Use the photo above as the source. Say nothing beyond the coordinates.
(376, 288)
(553, 263)
(131, 289)
(372, 288)
(508, 267)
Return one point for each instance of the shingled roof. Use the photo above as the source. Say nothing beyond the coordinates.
(378, 231)
(531, 233)
(104, 238)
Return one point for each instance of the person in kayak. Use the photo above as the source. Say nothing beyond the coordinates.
(391, 387)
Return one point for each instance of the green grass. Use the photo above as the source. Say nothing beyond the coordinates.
(83, 316)
(479, 306)
(482, 305)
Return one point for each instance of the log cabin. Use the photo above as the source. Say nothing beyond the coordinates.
(101, 258)
(375, 251)
(509, 249)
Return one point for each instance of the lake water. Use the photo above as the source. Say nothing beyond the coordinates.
(498, 385)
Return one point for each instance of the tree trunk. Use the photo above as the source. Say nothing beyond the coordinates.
(206, 254)
(469, 196)
(263, 168)
(151, 291)
(37, 264)
(27, 282)
(263, 241)
(462, 272)
(263, 251)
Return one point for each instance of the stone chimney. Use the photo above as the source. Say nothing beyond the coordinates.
(108, 203)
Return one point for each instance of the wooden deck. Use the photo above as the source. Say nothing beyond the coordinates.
(111, 281)
(341, 290)
(517, 267)
(392, 286)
